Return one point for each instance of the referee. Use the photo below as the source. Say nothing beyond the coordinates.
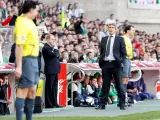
(126, 73)
(27, 50)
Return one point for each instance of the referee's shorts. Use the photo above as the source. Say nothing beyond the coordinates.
(30, 72)
(126, 73)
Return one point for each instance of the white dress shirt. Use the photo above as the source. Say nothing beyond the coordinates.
(111, 56)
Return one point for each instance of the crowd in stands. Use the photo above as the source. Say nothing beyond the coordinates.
(78, 42)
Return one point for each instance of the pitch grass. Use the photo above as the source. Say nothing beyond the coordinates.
(154, 115)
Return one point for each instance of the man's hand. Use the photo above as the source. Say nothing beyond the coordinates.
(9, 102)
(130, 91)
(18, 73)
(96, 85)
(135, 90)
(54, 44)
(1, 81)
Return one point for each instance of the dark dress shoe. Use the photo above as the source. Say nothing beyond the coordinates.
(126, 105)
(129, 104)
(58, 106)
(100, 107)
(122, 107)
(118, 105)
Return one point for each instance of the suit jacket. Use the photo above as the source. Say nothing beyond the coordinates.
(119, 50)
(12, 55)
(51, 59)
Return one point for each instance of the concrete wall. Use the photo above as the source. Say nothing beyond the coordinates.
(93, 8)
(148, 27)
(136, 15)
(147, 19)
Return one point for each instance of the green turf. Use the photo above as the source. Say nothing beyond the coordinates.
(139, 116)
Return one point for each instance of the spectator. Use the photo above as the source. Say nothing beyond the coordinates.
(111, 19)
(42, 12)
(113, 97)
(158, 36)
(142, 89)
(64, 57)
(103, 31)
(3, 10)
(4, 23)
(94, 86)
(158, 53)
(153, 57)
(88, 93)
(61, 49)
(67, 48)
(50, 12)
(74, 57)
(3, 88)
(78, 99)
(69, 11)
(80, 27)
(90, 58)
(133, 92)
(14, 17)
(118, 23)
(51, 58)
(146, 57)
(59, 7)
(99, 81)
(64, 20)
(77, 12)
(126, 23)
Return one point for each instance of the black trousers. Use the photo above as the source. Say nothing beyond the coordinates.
(112, 71)
(51, 89)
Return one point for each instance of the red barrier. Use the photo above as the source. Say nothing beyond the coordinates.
(62, 84)
(158, 89)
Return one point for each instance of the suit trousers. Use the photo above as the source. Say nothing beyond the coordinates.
(108, 73)
(51, 89)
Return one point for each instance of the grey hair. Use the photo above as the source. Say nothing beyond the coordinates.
(114, 24)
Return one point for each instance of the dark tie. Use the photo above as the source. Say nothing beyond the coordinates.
(108, 46)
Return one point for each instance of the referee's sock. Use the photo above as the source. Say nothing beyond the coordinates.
(125, 87)
(29, 103)
(19, 104)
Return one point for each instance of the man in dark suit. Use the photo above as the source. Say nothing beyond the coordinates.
(112, 53)
(52, 68)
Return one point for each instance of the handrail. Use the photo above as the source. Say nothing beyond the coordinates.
(83, 75)
(136, 77)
